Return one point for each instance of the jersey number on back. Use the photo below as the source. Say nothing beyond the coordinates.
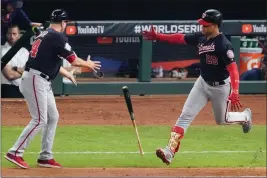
(35, 47)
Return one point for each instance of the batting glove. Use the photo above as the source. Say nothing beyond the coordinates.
(235, 101)
(150, 35)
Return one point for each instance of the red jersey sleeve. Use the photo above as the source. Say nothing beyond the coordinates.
(231, 67)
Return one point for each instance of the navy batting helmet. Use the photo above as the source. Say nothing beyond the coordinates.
(211, 16)
(58, 15)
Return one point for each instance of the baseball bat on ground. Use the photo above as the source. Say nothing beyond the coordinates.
(128, 101)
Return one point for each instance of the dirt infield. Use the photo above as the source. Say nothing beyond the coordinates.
(111, 110)
(136, 172)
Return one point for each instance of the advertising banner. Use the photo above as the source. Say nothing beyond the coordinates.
(135, 28)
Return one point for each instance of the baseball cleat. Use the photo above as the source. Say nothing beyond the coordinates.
(247, 125)
(164, 155)
(51, 163)
(17, 160)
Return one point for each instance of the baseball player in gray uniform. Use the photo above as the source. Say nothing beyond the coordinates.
(43, 65)
(218, 81)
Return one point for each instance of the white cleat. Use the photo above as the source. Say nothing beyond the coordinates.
(247, 125)
(164, 155)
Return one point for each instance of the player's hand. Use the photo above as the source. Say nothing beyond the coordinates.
(235, 101)
(150, 35)
(71, 77)
(94, 65)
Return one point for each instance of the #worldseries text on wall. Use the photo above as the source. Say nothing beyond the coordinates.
(135, 28)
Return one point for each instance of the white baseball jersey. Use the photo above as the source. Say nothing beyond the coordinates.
(19, 60)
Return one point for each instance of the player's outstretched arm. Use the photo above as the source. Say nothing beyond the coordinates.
(94, 65)
(171, 38)
(67, 53)
(68, 75)
(234, 77)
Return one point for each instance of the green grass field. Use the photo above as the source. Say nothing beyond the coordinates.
(96, 146)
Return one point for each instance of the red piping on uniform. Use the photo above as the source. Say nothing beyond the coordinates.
(173, 38)
(39, 117)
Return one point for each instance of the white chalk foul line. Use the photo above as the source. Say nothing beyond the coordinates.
(136, 152)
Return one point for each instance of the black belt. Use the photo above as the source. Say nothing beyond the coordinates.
(46, 77)
(215, 83)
